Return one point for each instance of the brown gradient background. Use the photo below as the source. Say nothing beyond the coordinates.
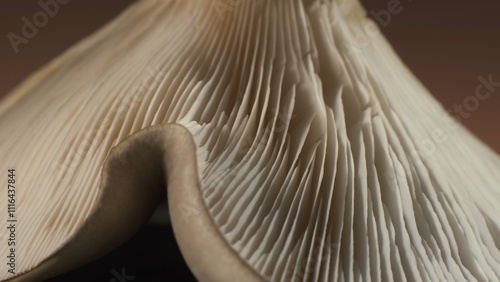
(447, 44)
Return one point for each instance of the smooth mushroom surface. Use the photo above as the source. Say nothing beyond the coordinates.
(285, 154)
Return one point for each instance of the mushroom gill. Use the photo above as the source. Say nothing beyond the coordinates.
(285, 154)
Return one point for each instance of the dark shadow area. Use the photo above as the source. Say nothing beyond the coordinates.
(151, 255)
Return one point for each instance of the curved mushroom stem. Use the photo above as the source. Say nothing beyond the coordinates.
(132, 186)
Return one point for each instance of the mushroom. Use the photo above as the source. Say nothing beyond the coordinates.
(286, 151)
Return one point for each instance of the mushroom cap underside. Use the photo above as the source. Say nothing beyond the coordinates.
(288, 152)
